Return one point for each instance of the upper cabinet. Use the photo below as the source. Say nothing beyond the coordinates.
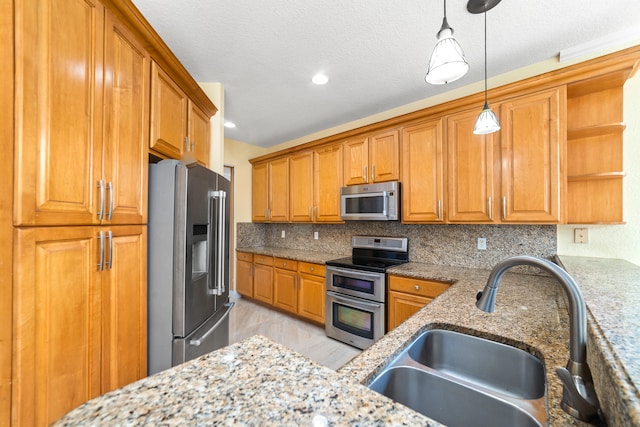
(533, 142)
(423, 178)
(81, 131)
(270, 193)
(179, 128)
(374, 158)
(327, 181)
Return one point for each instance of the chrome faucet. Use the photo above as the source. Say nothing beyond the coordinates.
(578, 397)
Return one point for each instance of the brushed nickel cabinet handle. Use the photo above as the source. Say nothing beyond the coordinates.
(186, 143)
(110, 188)
(504, 208)
(364, 173)
(109, 262)
(101, 211)
(439, 209)
(489, 208)
(101, 261)
(373, 173)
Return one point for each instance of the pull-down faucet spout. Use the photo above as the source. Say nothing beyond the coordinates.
(578, 398)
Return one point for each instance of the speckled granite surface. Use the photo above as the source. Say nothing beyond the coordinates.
(295, 254)
(451, 244)
(259, 382)
(252, 383)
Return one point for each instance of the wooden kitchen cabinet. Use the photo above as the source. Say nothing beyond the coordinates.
(88, 159)
(423, 178)
(244, 273)
(533, 142)
(179, 128)
(80, 330)
(372, 158)
(408, 295)
(285, 284)
(263, 278)
(471, 171)
(270, 191)
(327, 181)
(301, 187)
(311, 291)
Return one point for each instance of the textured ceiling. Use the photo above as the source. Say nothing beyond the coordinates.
(374, 51)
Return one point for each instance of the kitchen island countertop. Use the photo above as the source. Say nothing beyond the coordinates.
(258, 382)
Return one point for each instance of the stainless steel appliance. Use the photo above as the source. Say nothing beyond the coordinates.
(188, 270)
(357, 289)
(372, 202)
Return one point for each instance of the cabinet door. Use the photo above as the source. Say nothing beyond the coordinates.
(259, 192)
(285, 293)
(327, 181)
(168, 115)
(470, 170)
(199, 134)
(423, 173)
(57, 312)
(279, 190)
(301, 187)
(263, 283)
(126, 126)
(384, 156)
(532, 143)
(311, 297)
(124, 307)
(356, 161)
(402, 306)
(244, 278)
(58, 111)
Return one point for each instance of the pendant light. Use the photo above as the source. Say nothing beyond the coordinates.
(447, 62)
(487, 122)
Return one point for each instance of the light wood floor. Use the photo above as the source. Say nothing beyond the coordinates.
(248, 318)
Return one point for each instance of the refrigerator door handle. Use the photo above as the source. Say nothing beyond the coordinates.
(220, 197)
(200, 340)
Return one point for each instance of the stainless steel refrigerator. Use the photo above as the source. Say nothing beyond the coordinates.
(188, 271)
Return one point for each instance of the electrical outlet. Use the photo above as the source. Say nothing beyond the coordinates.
(482, 243)
(315, 235)
(282, 234)
(580, 235)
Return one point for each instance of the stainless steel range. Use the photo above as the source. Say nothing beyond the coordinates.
(357, 289)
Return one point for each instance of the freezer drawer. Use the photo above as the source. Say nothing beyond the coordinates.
(212, 335)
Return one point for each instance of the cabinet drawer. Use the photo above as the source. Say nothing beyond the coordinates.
(244, 256)
(287, 264)
(262, 259)
(309, 268)
(426, 288)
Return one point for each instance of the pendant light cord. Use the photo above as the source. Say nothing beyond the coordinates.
(485, 57)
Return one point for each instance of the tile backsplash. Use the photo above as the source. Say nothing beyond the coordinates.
(451, 244)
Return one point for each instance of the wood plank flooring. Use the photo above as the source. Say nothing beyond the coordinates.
(248, 318)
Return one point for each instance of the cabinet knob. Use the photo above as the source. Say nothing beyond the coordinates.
(417, 288)
(284, 264)
(312, 268)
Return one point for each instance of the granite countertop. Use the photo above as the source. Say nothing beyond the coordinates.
(258, 381)
(297, 255)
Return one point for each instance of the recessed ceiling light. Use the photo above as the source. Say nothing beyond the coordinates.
(320, 79)
(229, 125)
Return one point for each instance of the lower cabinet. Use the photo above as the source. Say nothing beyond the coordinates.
(263, 278)
(294, 286)
(409, 295)
(80, 317)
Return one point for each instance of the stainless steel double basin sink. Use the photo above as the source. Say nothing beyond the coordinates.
(462, 380)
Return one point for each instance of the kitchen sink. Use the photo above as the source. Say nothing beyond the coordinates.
(460, 380)
(447, 401)
(496, 366)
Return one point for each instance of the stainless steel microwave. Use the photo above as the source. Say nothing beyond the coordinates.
(371, 202)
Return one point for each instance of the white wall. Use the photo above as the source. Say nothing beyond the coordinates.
(617, 241)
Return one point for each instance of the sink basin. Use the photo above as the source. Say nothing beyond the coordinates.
(446, 401)
(461, 380)
(496, 366)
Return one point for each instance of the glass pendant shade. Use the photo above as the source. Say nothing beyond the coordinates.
(447, 63)
(487, 122)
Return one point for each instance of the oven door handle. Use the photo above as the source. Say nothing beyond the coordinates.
(352, 301)
(347, 271)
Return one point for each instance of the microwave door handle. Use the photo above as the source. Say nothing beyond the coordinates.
(385, 203)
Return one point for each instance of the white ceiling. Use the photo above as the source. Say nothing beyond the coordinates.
(374, 51)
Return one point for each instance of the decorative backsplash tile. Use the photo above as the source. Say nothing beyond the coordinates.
(451, 244)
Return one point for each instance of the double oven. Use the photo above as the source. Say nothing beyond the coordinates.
(357, 289)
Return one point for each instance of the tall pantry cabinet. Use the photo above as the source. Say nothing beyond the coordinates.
(80, 161)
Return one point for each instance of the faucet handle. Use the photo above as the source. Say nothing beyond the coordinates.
(478, 295)
(578, 396)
